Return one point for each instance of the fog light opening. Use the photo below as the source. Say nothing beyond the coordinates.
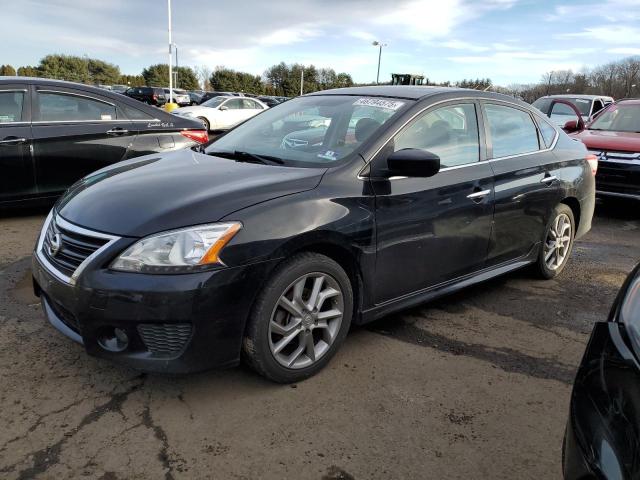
(113, 339)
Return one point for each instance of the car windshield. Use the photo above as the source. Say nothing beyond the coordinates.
(582, 104)
(213, 102)
(310, 131)
(619, 118)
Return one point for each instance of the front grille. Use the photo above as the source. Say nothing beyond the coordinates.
(65, 248)
(165, 339)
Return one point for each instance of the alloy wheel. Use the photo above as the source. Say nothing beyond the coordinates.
(306, 320)
(556, 247)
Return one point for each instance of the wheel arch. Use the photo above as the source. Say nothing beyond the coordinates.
(574, 205)
(337, 248)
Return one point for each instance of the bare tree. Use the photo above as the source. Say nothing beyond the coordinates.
(204, 74)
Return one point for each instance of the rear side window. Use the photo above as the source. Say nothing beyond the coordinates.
(62, 107)
(11, 106)
(449, 132)
(547, 131)
(512, 131)
(135, 114)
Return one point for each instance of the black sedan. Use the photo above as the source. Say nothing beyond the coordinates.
(603, 432)
(269, 250)
(53, 133)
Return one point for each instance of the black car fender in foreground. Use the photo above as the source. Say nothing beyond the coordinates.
(603, 431)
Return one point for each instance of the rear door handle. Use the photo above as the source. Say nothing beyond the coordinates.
(117, 131)
(477, 196)
(549, 179)
(9, 141)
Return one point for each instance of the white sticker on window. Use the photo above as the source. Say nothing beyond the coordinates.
(6, 118)
(380, 103)
(581, 100)
(105, 117)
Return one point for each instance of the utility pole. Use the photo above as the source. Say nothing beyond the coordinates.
(379, 45)
(301, 80)
(177, 66)
(170, 55)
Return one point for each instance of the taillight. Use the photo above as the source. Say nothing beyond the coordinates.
(593, 163)
(154, 96)
(200, 136)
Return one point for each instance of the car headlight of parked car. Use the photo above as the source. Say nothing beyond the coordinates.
(178, 251)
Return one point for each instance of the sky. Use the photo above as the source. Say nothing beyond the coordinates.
(509, 41)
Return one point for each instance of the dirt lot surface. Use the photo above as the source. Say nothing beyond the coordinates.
(475, 385)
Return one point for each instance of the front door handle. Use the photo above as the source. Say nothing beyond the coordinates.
(117, 131)
(549, 179)
(9, 141)
(479, 195)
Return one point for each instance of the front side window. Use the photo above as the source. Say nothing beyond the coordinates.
(450, 132)
(235, 104)
(60, 107)
(512, 131)
(310, 131)
(11, 106)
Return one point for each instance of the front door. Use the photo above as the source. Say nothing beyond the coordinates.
(17, 179)
(74, 135)
(433, 230)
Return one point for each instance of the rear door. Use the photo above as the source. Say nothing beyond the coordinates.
(527, 180)
(17, 179)
(75, 133)
(250, 108)
(433, 230)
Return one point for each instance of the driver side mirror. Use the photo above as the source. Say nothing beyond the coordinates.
(413, 162)
(573, 126)
(223, 108)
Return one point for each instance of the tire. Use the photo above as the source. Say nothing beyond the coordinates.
(552, 260)
(205, 122)
(272, 327)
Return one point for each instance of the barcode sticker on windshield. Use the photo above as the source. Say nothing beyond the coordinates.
(379, 102)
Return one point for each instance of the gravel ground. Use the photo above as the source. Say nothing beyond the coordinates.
(475, 385)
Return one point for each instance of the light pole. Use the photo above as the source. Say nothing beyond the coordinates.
(379, 45)
(170, 56)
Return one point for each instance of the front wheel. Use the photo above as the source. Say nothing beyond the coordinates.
(300, 319)
(557, 242)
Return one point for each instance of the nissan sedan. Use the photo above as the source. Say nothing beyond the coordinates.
(264, 250)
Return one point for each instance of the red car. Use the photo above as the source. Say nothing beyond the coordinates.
(614, 137)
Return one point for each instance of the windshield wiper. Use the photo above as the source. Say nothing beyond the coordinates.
(249, 157)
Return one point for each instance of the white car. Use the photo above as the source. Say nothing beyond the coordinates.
(588, 105)
(222, 113)
(181, 97)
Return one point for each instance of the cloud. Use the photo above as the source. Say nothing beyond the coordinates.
(616, 34)
(461, 45)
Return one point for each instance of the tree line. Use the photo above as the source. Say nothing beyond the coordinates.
(280, 79)
(617, 79)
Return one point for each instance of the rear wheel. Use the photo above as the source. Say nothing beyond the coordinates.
(300, 319)
(557, 242)
(205, 123)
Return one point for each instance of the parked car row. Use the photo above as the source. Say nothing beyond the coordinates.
(612, 135)
(53, 133)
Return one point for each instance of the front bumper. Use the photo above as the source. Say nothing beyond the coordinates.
(174, 323)
(603, 431)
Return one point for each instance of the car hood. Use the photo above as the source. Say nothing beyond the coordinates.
(154, 193)
(607, 140)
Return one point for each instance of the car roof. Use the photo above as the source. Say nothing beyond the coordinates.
(632, 101)
(569, 95)
(411, 92)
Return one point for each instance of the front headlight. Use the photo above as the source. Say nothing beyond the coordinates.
(178, 251)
